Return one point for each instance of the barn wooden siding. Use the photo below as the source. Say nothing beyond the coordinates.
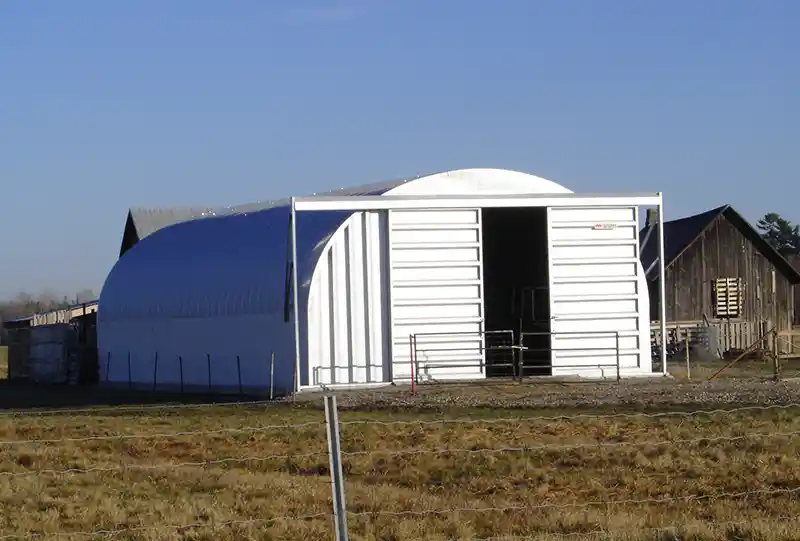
(795, 261)
(722, 251)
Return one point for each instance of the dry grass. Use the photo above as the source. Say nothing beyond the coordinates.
(3, 362)
(744, 369)
(563, 484)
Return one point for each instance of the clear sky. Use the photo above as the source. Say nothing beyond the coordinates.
(109, 104)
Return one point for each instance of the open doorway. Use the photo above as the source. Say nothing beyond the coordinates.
(516, 289)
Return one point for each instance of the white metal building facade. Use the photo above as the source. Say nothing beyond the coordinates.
(376, 266)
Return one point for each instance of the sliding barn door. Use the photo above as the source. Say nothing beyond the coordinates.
(595, 290)
(436, 293)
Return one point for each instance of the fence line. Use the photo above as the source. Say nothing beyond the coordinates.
(173, 527)
(146, 408)
(655, 530)
(579, 416)
(157, 467)
(158, 435)
(371, 513)
(362, 506)
(169, 407)
(572, 446)
(691, 498)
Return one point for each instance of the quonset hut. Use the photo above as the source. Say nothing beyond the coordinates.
(207, 302)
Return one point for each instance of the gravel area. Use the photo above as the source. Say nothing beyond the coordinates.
(629, 395)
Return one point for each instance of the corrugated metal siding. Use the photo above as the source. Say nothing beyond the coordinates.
(597, 290)
(201, 303)
(347, 306)
(48, 353)
(721, 251)
(436, 293)
(159, 303)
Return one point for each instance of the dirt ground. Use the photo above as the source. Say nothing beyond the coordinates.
(645, 394)
(631, 394)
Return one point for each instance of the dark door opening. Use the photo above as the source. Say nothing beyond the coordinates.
(516, 289)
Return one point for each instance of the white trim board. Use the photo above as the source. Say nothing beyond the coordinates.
(431, 202)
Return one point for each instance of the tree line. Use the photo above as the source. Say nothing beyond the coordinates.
(25, 304)
(780, 233)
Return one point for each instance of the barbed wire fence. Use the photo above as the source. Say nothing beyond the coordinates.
(546, 491)
(182, 471)
(243, 471)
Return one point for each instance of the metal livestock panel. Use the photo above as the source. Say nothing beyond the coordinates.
(595, 291)
(437, 292)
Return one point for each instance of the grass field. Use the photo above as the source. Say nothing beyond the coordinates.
(3, 362)
(222, 472)
(743, 369)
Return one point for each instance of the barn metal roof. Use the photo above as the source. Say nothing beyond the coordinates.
(147, 221)
(680, 234)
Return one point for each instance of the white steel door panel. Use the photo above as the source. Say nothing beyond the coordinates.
(586, 270)
(607, 250)
(436, 292)
(404, 311)
(572, 345)
(442, 252)
(577, 305)
(576, 325)
(448, 219)
(591, 231)
(429, 233)
(448, 272)
(594, 289)
(597, 215)
(594, 292)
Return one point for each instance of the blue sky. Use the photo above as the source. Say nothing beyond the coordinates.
(106, 105)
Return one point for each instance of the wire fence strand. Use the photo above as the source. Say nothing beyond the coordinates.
(166, 527)
(607, 532)
(575, 417)
(672, 458)
(550, 506)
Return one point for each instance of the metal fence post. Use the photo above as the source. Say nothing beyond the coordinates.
(272, 376)
(688, 360)
(337, 477)
(208, 363)
(411, 357)
(108, 367)
(239, 373)
(155, 372)
(180, 367)
(619, 378)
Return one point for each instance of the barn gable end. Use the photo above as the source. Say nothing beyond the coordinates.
(719, 244)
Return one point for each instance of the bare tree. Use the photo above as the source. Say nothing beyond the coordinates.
(84, 295)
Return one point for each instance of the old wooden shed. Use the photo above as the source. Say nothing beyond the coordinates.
(719, 269)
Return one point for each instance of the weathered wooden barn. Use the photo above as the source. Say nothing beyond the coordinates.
(719, 270)
(795, 261)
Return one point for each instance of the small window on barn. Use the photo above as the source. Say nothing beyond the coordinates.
(728, 297)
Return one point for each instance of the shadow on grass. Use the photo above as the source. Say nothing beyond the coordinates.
(24, 396)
